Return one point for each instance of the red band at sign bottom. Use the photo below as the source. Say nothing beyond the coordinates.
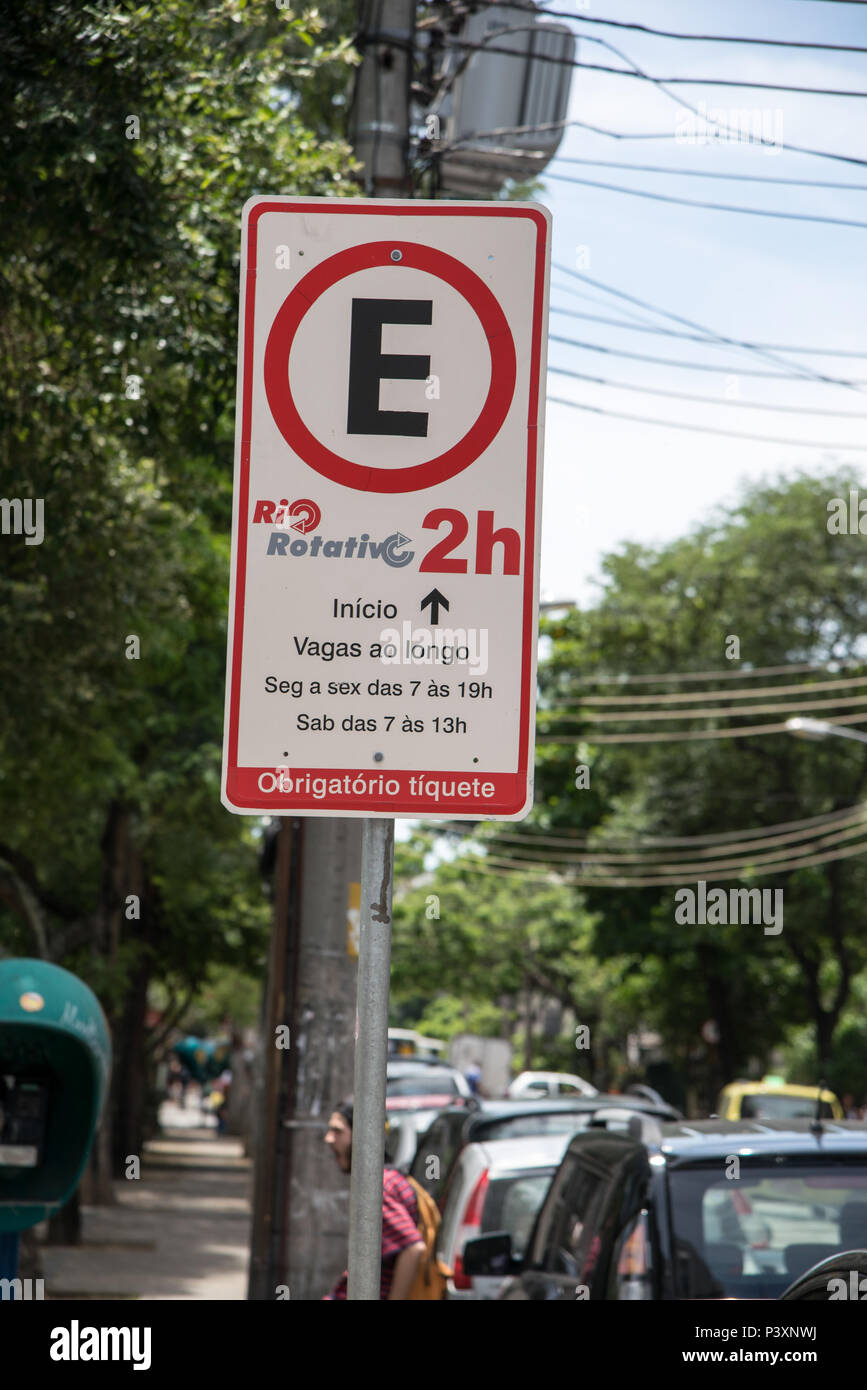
(376, 789)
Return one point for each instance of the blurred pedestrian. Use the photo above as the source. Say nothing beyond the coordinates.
(220, 1098)
(402, 1245)
(473, 1077)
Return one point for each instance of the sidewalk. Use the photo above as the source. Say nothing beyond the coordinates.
(180, 1231)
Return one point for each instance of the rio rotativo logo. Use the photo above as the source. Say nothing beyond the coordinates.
(306, 516)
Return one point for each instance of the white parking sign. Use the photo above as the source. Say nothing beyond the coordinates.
(382, 624)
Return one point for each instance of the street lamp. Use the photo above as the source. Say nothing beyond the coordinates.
(820, 728)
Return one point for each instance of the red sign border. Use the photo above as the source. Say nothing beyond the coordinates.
(265, 803)
(485, 427)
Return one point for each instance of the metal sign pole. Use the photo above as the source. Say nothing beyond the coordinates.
(371, 1054)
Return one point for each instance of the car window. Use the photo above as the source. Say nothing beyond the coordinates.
(777, 1107)
(511, 1205)
(453, 1197)
(523, 1126)
(752, 1236)
(434, 1158)
(631, 1269)
(540, 1086)
(570, 1242)
(439, 1083)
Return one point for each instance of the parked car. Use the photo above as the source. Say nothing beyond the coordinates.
(404, 1128)
(406, 1042)
(842, 1277)
(546, 1084)
(494, 1186)
(418, 1085)
(513, 1119)
(658, 1216)
(773, 1099)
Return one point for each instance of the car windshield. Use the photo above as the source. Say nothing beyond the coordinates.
(769, 1106)
(511, 1205)
(430, 1083)
(524, 1126)
(751, 1235)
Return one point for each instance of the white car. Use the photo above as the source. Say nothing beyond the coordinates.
(544, 1085)
(496, 1185)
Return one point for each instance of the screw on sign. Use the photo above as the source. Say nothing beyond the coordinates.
(386, 537)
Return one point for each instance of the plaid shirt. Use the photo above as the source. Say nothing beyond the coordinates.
(399, 1215)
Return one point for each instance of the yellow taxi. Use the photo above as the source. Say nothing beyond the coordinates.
(772, 1098)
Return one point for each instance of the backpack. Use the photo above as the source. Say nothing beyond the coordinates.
(430, 1280)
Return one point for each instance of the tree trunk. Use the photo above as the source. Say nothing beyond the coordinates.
(129, 1085)
(826, 1023)
(723, 1061)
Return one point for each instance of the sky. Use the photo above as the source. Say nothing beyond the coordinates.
(609, 481)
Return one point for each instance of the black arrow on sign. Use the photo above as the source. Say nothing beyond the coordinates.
(435, 601)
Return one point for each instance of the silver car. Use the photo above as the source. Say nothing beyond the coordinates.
(497, 1185)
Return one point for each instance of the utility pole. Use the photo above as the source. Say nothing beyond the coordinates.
(299, 1196)
(379, 129)
(380, 135)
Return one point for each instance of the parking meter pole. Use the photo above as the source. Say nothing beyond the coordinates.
(371, 1057)
(9, 1254)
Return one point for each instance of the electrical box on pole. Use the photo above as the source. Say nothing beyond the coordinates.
(502, 112)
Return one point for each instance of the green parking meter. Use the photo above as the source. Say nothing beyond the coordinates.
(55, 1061)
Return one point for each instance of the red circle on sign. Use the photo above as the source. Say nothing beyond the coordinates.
(480, 434)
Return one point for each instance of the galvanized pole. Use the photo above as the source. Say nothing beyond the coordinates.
(371, 1053)
(380, 136)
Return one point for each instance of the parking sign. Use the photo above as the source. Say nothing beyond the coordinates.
(383, 610)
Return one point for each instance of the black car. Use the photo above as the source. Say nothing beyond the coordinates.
(710, 1209)
(456, 1126)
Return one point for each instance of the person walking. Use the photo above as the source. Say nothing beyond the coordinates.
(402, 1245)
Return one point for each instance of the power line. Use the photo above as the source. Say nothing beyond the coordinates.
(595, 854)
(854, 382)
(701, 400)
(710, 174)
(639, 315)
(807, 372)
(681, 697)
(710, 874)
(690, 337)
(806, 827)
(672, 135)
(647, 716)
(712, 207)
(644, 135)
(468, 46)
(760, 851)
(691, 202)
(500, 867)
(676, 34)
(729, 674)
(707, 429)
(691, 735)
(825, 820)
